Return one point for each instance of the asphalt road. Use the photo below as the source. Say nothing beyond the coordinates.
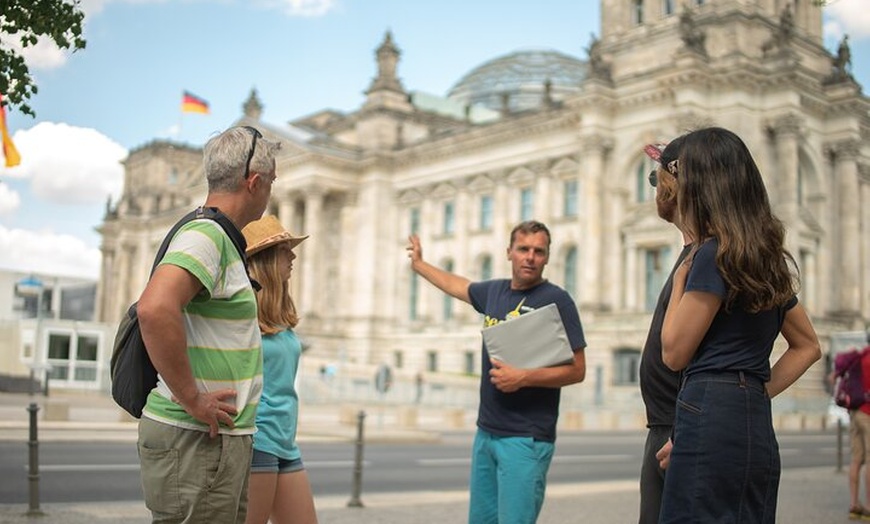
(109, 471)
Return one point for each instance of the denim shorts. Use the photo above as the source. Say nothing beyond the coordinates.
(263, 462)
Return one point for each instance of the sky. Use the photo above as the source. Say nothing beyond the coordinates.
(124, 89)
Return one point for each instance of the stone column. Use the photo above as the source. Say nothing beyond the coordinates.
(310, 299)
(430, 227)
(143, 260)
(847, 247)
(122, 275)
(788, 132)
(105, 286)
(463, 215)
(593, 266)
(631, 281)
(545, 211)
(287, 216)
(864, 242)
(501, 224)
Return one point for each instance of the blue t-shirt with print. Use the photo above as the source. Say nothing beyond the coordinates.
(528, 412)
(736, 340)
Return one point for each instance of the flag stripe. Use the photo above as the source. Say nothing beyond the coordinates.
(191, 103)
(9, 150)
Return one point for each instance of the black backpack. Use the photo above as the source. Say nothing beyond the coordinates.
(133, 374)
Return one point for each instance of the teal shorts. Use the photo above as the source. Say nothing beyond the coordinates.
(508, 478)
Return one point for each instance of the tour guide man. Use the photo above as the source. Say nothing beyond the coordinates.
(516, 423)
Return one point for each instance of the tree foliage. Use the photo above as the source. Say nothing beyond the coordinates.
(22, 24)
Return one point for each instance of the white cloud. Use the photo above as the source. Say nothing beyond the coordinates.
(44, 55)
(48, 253)
(69, 165)
(9, 199)
(850, 17)
(310, 8)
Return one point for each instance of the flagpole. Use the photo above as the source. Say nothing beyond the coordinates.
(180, 117)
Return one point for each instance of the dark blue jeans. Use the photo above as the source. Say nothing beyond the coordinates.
(652, 476)
(725, 464)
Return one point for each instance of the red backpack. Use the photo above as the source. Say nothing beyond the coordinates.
(849, 383)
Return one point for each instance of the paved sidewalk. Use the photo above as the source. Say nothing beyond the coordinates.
(807, 496)
(811, 496)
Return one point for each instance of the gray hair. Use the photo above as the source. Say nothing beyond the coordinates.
(225, 156)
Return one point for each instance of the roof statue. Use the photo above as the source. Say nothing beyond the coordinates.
(693, 37)
(783, 33)
(252, 107)
(598, 68)
(388, 59)
(841, 64)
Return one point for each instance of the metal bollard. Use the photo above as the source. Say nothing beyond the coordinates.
(839, 445)
(33, 471)
(355, 501)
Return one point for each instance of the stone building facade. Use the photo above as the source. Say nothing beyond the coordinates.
(543, 135)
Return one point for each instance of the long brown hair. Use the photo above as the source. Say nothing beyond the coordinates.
(275, 308)
(721, 194)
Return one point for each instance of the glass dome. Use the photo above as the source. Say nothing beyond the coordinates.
(521, 76)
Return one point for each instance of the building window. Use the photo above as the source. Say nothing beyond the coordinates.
(637, 12)
(569, 202)
(486, 268)
(73, 356)
(398, 359)
(486, 213)
(59, 355)
(643, 190)
(414, 220)
(626, 365)
(431, 361)
(449, 218)
(668, 7)
(413, 295)
(28, 305)
(570, 282)
(655, 274)
(468, 358)
(447, 305)
(527, 204)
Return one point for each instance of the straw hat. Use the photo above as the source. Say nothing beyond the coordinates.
(267, 232)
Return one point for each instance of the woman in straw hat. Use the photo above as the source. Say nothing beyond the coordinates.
(279, 487)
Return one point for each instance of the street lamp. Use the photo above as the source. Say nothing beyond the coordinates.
(31, 286)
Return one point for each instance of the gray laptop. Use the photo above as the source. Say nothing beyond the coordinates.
(536, 339)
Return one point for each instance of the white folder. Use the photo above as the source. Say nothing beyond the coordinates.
(536, 339)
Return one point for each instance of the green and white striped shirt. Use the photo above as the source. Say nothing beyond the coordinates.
(223, 336)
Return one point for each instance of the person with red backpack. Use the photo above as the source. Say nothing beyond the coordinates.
(859, 423)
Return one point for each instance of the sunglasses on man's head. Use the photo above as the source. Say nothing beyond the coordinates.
(672, 169)
(255, 134)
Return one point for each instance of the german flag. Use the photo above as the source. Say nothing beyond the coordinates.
(9, 151)
(191, 103)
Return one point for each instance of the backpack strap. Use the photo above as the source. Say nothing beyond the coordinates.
(215, 214)
(168, 238)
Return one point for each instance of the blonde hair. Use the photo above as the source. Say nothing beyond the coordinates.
(275, 308)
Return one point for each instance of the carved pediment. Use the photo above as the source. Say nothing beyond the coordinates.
(409, 197)
(481, 184)
(444, 190)
(565, 166)
(521, 176)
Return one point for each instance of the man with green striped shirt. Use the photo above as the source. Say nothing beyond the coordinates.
(198, 316)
